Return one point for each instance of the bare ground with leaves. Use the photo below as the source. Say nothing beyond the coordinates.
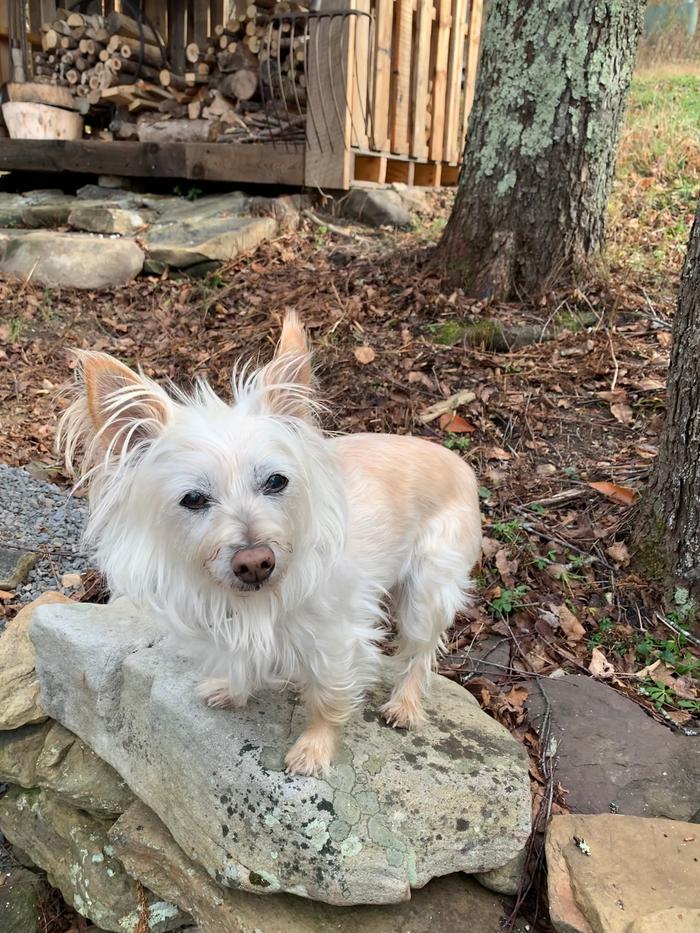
(562, 432)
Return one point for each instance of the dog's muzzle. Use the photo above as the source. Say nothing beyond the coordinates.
(253, 565)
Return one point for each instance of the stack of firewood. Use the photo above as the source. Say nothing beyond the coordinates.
(246, 84)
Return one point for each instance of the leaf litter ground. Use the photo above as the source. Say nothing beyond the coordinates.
(562, 432)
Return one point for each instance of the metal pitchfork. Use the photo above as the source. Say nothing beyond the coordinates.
(285, 108)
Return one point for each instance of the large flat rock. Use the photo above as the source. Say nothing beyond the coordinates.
(622, 874)
(396, 809)
(75, 260)
(149, 853)
(612, 756)
(183, 242)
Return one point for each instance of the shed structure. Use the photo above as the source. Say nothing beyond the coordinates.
(388, 87)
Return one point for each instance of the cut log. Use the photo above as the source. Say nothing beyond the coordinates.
(130, 48)
(192, 53)
(241, 85)
(117, 24)
(169, 79)
(179, 131)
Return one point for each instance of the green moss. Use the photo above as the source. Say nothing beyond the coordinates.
(447, 334)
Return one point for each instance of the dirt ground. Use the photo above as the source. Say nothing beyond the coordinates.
(562, 432)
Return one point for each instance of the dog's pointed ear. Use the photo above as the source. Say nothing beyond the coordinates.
(124, 407)
(287, 378)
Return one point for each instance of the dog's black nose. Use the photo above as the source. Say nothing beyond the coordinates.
(253, 564)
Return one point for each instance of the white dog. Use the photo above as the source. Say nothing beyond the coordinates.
(268, 548)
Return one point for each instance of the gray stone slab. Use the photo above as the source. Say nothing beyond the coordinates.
(612, 756)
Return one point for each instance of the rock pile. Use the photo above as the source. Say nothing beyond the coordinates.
(139, 802)
(104, 237)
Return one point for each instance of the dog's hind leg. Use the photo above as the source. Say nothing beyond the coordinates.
(429, 596)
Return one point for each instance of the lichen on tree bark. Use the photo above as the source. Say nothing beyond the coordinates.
(541, 142)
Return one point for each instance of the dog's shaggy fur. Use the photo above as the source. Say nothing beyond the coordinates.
(181, 484)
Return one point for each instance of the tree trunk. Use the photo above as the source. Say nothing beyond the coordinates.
(668, 531)
(540, 150)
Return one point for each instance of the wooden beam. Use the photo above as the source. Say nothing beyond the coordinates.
(215, 162)
(177, 38)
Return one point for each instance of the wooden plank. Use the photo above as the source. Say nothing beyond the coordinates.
(449, 175)
(399, 170)
(452, 142)
(260, 163)
(384, 15)
(200, 23)
(401, 76)
(177, 35)
(473, 50)
(369, 168)
(215, 162)
(329, 94)
(421, 75)
(442, 49)
(362, 69)
(217, 13)
(427, 174)
(156, 11)
(50, 94)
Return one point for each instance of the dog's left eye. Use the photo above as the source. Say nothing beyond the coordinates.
(194, 501)
(275, 483)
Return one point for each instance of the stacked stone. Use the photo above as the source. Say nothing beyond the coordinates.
(164, 813)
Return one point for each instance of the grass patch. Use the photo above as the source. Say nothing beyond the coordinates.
(658, 178)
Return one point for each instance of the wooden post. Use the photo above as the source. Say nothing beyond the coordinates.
(452, 141)
(442, 49)
(177, 11)
(473, 49)
(421, 76)
(327, 155)
(401, 71)
(363, 64)
(383, 26)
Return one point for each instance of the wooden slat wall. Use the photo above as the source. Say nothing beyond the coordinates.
(425, 56)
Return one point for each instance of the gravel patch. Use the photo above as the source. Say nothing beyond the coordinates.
(40, 517)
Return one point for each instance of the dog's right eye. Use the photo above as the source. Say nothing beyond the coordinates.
(194, 501)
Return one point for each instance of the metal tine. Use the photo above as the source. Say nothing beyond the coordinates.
(318, 18)
(356, 91)
(370, 81)
(309, 108)
(293, 82)
(343, 74)
(281, 83)
(263, 93)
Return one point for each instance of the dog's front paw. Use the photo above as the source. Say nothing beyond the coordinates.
(217, 695)
(403, 713)
(310, 755)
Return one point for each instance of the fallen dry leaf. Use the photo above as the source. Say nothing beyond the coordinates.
(365, 355)
(516, 696)
(497, 453)
(507, 568)
(621, 494)
(490, 547)
(600, 666)
(619, 553)
(622, 412)
(570, 624)
(455, 424)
